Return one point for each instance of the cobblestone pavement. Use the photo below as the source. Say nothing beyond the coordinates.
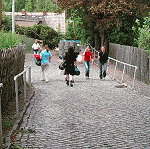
(91, 114)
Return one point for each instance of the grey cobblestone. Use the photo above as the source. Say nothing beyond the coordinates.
(91, 114)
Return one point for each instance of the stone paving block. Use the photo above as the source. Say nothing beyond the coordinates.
(85, 115)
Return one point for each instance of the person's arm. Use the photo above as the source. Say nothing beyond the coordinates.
(92, 58)
(40, 55)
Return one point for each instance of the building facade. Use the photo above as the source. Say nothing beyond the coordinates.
(50, 19)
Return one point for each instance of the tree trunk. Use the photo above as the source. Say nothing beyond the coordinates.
(97, 41)
(104, 41)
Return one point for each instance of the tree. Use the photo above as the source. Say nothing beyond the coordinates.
(144, 34)
(19, 5)
(28, 6)
(6, 5)
(98, 15)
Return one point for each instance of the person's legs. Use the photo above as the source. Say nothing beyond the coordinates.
(100, 67)
(71, 82)
(42, 69)
(67, 82)
(87, 66)
(88, 63)
(46, 69)
(104, 72)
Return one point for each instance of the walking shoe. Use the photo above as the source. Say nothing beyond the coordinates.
(100, 76)
(71, 83)
(42, 79)
(67, 82)
(104, 74)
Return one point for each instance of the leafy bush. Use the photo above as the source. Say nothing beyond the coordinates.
(19, 29)
(6, 23)
(47, 34)
(8, 40)
(144, 34)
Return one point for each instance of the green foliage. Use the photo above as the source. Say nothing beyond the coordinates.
(144, 34)
(8, 40)
(6, 22)
(69, 31)
(28, 6)
(6, 5)
(19, 5)
(19, 29)
(47, 34)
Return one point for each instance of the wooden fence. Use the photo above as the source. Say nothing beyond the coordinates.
(133, 56)
(11, 64)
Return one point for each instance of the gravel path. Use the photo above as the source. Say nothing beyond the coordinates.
(91, 114)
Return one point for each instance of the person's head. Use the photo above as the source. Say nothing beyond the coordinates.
(87, 48)
(36, 41)
(46, 47)
(103, 49)
(70, 50)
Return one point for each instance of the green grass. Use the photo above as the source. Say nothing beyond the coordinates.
(8, 40)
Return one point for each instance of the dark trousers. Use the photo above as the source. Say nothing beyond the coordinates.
(102, 69)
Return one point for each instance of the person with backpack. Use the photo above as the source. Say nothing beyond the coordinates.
(103, 59)
(70, 59)
(87, 55)
(45, 57)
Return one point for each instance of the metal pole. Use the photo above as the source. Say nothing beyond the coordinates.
(134, 76)
(13, 16)
(30, 77)
(115, 70)
(24, 75)
(16, 89)
(1, 135)
(123, 73)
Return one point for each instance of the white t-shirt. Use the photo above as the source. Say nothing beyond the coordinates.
(36, 46)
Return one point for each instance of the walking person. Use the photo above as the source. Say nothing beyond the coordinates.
(45, 57)
(87, 55)
(103, 59)
(70, 59)
(35, 48)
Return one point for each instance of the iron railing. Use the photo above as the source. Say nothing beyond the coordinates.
(16, 85)
(117, 61)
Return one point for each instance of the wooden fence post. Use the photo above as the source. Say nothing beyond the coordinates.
(149, 70)
(1, 135)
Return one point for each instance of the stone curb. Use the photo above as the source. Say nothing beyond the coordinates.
(18, 122)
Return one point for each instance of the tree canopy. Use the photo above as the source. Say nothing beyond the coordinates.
(99, 15)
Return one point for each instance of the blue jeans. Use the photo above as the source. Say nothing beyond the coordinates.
(104, 68)
(87, 68)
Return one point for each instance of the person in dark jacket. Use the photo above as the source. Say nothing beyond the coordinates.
(103, 58)
(70, 58)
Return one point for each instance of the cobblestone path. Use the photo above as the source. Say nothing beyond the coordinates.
(91, 114)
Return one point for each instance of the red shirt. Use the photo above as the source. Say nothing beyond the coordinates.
(87, 56)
